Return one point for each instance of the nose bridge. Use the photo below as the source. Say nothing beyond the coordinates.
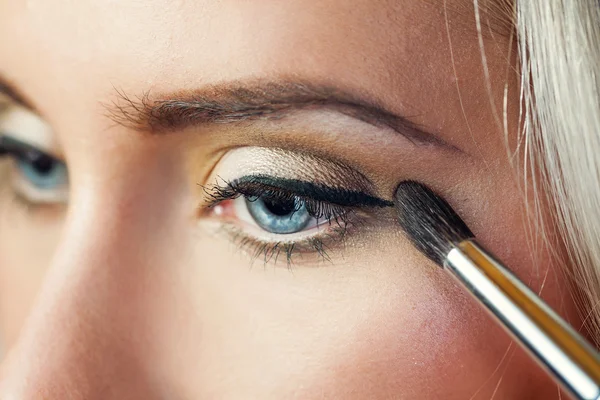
(85, 338)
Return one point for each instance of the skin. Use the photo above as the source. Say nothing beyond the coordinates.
(128, 292)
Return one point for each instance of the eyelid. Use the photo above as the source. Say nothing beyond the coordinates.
(28, 128)
(297, 165)
(8, 144)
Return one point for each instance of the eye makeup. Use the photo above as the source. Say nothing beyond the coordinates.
(259, 209)
(293, 165)
(26, 126)
(10, 145)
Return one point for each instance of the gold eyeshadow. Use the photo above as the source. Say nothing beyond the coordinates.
(286, 164)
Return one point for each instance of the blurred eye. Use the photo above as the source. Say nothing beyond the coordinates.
(42, 170)
(36, 175)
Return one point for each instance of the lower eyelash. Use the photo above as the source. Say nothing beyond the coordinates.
(275, 251)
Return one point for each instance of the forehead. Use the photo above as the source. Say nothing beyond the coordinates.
(210, 40)
(80, 51)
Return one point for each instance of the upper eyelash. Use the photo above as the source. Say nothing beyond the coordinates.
(16, 148)
(314, 195)
(254, 187)
(5, 148)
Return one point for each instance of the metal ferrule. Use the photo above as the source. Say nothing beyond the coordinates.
(557, 347)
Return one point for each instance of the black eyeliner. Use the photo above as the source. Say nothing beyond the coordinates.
(14, 146)
(338, 196)
(26, 152)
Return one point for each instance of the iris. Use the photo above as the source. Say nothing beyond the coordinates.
(42, 170)
(279, 215)
(38, 168)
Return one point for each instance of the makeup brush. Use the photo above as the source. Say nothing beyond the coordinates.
(441, 235)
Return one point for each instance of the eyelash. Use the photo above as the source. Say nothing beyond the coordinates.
(339, 219)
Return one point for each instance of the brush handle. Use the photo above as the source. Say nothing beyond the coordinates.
(559, 348)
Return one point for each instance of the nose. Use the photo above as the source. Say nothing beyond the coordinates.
(87, 336)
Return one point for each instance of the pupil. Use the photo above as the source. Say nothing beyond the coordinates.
(280, 207)
(42, 163)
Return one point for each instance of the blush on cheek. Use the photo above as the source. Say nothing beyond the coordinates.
(434, 343)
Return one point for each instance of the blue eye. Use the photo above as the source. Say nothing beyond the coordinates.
(41, 178)
(278, 215)
(42, 170)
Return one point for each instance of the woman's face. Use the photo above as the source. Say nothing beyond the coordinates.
(196, 200)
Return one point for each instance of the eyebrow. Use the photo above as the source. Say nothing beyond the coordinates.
(9, 90)
(254, 100)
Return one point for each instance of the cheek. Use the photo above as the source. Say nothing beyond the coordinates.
(366, 328)
(413, 336)
(395, 324)
(26, 248)
(423, 343)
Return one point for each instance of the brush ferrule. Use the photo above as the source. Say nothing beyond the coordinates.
(558, 348)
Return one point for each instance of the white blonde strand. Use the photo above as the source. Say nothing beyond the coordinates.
(559, 45)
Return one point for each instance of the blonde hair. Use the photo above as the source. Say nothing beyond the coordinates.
(559, 49)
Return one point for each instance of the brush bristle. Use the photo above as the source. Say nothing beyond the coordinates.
(429, 221)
